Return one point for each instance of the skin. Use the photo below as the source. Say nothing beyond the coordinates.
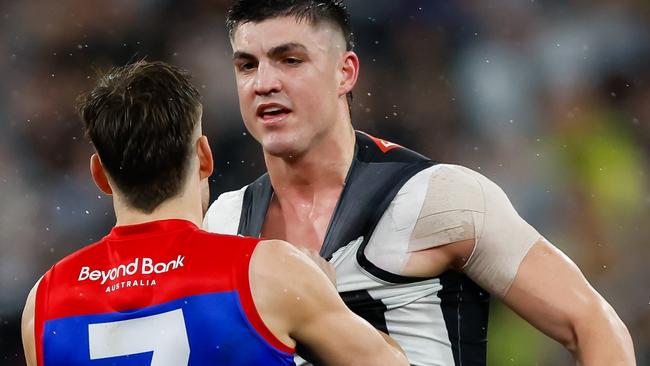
(309, 150)
(317, 318)
(308, 153)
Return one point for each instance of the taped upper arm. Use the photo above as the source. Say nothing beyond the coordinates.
(462, 205)
(450, 211)
(502, 241)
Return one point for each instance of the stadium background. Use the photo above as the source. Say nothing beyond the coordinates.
(550, 99)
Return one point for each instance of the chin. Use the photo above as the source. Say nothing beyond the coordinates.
(282, 149)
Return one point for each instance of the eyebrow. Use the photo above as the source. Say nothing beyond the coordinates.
(273, 52)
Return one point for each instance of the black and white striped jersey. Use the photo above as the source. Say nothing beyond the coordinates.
(437, 321)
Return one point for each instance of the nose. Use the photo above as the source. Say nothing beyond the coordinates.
(267, 80)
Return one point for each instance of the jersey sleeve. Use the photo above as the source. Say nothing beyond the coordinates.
(223, 215)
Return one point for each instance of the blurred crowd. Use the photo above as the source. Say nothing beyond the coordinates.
(548, 98)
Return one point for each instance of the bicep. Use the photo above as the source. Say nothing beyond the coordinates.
(551, 293)
(27, 328)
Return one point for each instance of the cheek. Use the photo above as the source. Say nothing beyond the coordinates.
(246, 96)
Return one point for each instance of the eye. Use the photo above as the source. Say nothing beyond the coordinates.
(246, 66)
(292, 61)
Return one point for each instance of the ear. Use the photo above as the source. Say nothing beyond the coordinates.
(206, 164)
(349, 72)
(99, 174)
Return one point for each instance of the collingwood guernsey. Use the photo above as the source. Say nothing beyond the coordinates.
(395, 203)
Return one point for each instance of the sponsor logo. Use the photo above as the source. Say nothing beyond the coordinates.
(143, 266)
(127, 284)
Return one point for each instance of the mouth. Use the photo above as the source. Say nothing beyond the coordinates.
(272, 113)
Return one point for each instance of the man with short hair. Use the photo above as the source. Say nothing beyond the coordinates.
(159, 291)
(417, 245)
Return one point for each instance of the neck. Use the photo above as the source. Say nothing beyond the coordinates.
(324, 166)
(185, 206)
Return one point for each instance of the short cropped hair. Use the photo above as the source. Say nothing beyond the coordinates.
(313, 11)
(141, 119)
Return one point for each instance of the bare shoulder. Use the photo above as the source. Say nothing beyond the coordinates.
(283, 276)
(281, 264)
(287, 288)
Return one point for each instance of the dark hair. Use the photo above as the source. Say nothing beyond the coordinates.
(141, 118)
(313, 11)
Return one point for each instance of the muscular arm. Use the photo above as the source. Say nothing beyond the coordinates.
(27, 328)
(551, 293)
(511, 260)
(308, 310)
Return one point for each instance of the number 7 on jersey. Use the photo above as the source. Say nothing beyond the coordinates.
(164, 334)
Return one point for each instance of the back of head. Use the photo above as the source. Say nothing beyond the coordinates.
(141, 119)
(312, 11)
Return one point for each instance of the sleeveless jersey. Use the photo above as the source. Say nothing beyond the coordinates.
(163, 293)
(437, 321)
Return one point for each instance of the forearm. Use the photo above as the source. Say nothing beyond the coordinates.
(602, 339)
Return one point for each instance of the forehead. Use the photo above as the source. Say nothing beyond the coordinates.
(262, 36)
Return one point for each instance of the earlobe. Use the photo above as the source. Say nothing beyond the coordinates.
(206, 163)
(349, 72)
(99, 174)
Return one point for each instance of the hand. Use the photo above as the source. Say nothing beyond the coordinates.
(324, 265)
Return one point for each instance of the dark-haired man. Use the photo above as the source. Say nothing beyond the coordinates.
(411, 239)
(159, 291)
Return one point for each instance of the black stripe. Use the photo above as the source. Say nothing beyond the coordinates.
(362, 304)
(256, 202)
(465, 308)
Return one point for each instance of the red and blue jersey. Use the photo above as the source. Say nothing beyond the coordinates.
(163, 293)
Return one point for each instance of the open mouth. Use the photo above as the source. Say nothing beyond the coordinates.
(272, 112)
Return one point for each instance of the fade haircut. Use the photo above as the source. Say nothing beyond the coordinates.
(141, 119)
(312, 11)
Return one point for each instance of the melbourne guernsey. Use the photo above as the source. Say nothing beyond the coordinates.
(163, 293)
